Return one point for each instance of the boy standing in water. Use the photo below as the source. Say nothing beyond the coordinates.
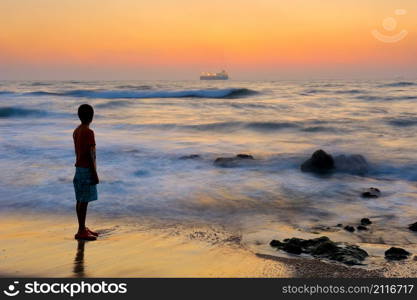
(85, 179)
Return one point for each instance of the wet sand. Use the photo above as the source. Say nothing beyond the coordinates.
(43, 246)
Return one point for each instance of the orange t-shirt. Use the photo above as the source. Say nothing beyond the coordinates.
(83, 142)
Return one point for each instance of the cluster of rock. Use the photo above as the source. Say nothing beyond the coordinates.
(361, 227)
(345, 253)
(323, 247)
(323, 163)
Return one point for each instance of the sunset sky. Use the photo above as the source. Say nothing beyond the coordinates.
(177, 39)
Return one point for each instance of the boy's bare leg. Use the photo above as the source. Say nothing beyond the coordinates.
(81, 209)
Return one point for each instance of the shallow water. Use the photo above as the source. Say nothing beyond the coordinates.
(143, 128)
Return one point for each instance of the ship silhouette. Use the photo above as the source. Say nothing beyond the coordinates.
(214, 76)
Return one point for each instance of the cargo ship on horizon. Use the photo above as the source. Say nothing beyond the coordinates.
(214, 76)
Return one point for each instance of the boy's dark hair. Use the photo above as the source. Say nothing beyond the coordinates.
(85, 113)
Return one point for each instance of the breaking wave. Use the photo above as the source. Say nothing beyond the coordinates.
(131, 94)
(13, 112)
(398, 84)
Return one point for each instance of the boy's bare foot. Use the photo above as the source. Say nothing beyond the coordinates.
(92, 232)
(85, 235)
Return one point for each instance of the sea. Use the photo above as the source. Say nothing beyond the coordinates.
(145, 130)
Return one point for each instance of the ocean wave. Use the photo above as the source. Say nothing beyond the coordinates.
(113, 104)
(267, 126)
(313, 91)
(353, 91)
(403, 122)
(216, 126)
(131, 94)
(318, 129)
(12, 112)
(398, 84)
(386, 98)
(230, 126)
(39, 83)
(135, 87)
(322, 91)
(39, 93)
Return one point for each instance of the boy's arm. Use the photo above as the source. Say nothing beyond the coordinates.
(93, 165)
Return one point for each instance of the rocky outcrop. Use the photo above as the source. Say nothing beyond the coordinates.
(323, 247)
(323, 162)
(191, 156)
(349, 228)
(229, 162)
(395, 253)
(319, 162)
(366, 221)
(371, 193)
(413, 227)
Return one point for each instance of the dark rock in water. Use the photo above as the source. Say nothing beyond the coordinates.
(339, 225)
(349, 255)
(371, 193)
(413, 227)
(275, 243)
(349, 228)
(323, 247)
(355, 163)
(366, 221)
(244, 156)
(292, 248)
(228, 162)
(191, 156)
(320, 162)
(361, 227)
(394, 253)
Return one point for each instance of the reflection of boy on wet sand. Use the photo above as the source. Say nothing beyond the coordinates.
(85, 179)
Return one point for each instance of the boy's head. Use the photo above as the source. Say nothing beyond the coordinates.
(85, 113)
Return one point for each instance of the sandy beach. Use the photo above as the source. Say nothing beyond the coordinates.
(43, 246)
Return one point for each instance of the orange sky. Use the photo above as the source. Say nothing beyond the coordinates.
(176, 39)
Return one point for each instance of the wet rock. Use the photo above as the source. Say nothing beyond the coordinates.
(361, 228)
(355, 163)
(413, 227)
(349, 228)
(275, 243)
(292, 248)
(395, 253)
(349, 255)
(319, 162)
(323, 247)
(366, 221)
(371, 193)
(339, 225)
(228, 162)
(191, 156)
(244, 156)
